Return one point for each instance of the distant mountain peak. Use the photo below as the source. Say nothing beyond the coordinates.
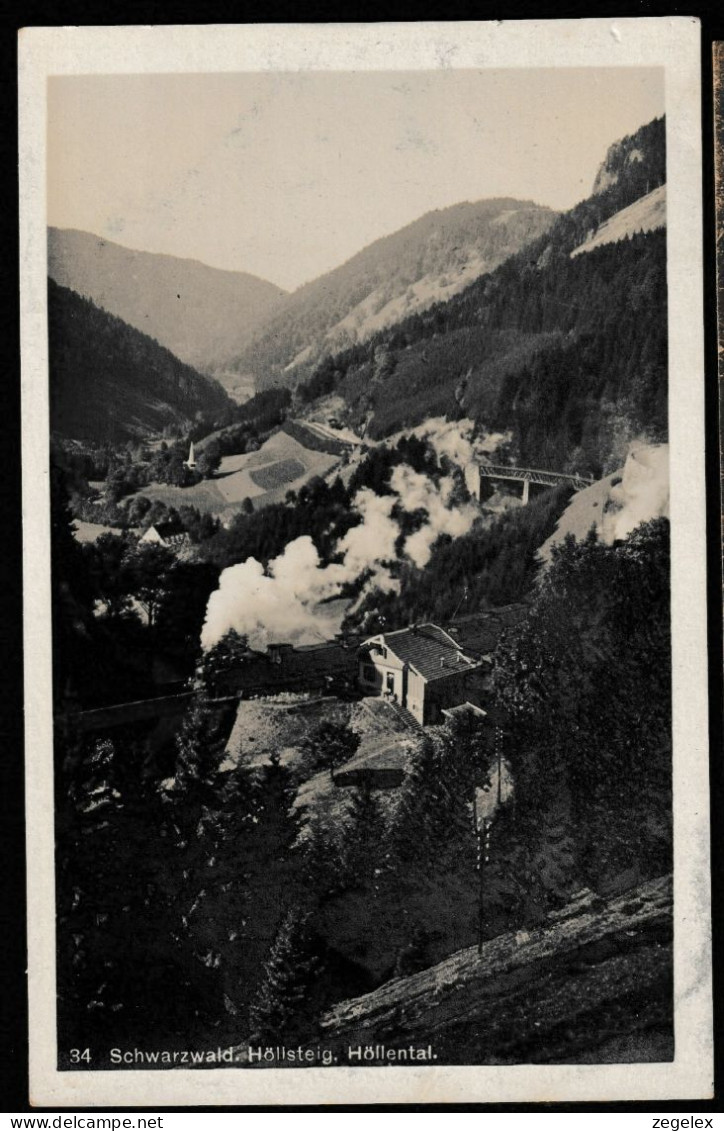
(204, 315)
(640, 156)
(560, 352)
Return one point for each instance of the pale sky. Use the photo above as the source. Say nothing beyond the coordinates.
(287, 175)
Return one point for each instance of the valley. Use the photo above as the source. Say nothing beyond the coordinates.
(353, 625)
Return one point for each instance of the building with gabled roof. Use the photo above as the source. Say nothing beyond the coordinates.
(421, 668)
(170, 534)
(478, 633)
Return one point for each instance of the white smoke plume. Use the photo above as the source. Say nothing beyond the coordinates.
(643, 493)
(283, 603)
(417, 492)
(451, 438)
(456, 439)
(372, 543)
(616, 505)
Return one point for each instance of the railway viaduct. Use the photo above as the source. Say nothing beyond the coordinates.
(475, 472)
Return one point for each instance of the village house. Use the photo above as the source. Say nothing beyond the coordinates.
(172, 535)
(423, 669)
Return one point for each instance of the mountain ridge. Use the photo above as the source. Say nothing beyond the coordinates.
(559, 347)
(109, 382)
(435, 255)
(202, 314)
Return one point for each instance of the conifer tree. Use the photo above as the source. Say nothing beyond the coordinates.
(267, 874)
(585, 681)
(125, 967)
(323, 849)
(284, 1006)
(192, 832)
(364, 852)
(199, 750)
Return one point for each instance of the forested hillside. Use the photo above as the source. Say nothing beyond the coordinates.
(108, 382)
(236, 925)
(571, 353)
(430, 259)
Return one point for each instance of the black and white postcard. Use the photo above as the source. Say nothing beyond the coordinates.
(363, 447)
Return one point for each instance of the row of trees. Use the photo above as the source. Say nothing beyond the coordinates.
(116, 604)
(586, 683)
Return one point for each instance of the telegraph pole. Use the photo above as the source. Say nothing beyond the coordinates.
(463, 598)
(482, 831)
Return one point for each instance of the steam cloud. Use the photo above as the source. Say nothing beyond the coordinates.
(640, 493)
(643, 493)
(456, 439)
(420, 493)
(284, 603)
(451, 438)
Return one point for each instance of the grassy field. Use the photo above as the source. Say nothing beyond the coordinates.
(90, 531)
(205, 495)
(279, 474)
(286, 465)
(280, 465)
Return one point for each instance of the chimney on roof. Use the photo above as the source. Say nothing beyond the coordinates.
(442, 661)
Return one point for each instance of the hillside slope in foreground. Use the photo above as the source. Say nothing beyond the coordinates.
(591, 984)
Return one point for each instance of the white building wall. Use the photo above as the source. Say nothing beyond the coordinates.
(152, 535)
(380, 675)
(416, 696)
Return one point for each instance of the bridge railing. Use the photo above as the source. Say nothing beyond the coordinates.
(534, 474)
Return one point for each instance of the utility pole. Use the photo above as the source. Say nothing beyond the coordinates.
(482, 832)
(463, 598)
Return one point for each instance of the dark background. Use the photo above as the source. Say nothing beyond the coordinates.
(13, 1003)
